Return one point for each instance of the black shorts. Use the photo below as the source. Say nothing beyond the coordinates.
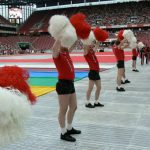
(134, 57)
(65, 87)
(120, 64)
(94, 75)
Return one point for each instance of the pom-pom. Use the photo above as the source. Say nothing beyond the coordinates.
(140, 45)
(16, 78)
(133, 45)
(82, 27)
(14, 109)
(61, 29)
(133, 42)
(74, 19)
(89, 40)
(56, 25)
(120, 35)
(69, 36)
(100, 35)
(128, 35)
(134, 39)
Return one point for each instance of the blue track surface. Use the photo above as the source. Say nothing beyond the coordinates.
(55, 74)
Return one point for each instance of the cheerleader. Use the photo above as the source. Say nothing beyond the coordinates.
(94, 77)
(90, 46)
(119, 54)
(65, 37)
(134, 58)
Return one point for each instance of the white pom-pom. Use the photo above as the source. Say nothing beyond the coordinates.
(134, 39)
(61, 29)
(140, 45)
(128, 35)
(89, 40)
(14, 109)
(133, 45)
(68, 36)
(56, 25)
(133, 42)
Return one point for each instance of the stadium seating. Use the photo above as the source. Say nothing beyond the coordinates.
(103, 15)
(4, 21)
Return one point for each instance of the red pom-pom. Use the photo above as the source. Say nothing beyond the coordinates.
(100, 35)
(82, 27)
(83, 30)
(16, 77)
(77, 17)
(120, 35)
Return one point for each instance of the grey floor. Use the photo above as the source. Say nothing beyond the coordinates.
(123, 124)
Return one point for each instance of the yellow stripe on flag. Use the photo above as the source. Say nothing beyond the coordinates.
(41, 90)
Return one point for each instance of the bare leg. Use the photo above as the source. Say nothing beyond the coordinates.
(98, 89)
(63, 107)
(72, 108)
(134, 64)
(70, 115)
(123, 75)
(142, 58)
(64, 102)
(119, 76)
(97, 94)
(89, 90)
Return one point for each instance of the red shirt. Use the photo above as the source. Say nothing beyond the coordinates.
(134, 52)
(92, 60)
(64, 66)
(119, 53)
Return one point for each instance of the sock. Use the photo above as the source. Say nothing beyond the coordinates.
(87, 102)
(69, 126)
(119, 87)
(123, 79)
(63, 131)
(96, 101)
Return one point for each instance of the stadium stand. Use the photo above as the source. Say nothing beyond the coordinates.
(34, 30)
(106, 15)
(4, 21)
